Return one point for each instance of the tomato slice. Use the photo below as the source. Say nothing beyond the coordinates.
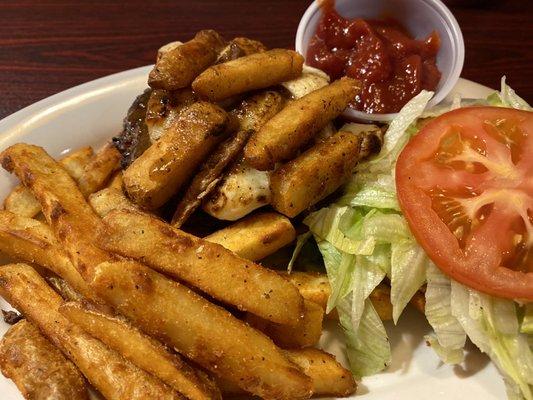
(465, 185)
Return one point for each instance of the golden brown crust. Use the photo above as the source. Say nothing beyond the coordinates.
(178, 67)
(252, 72)
(37, 367)
(294, 126)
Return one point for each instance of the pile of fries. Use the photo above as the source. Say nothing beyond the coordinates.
(116, 295)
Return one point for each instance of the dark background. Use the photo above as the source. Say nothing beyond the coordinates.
(48, 46)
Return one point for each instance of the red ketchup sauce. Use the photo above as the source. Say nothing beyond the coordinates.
(392, 66)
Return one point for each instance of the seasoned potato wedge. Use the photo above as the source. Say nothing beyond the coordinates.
(315, 174)
(73, 221)
(28, 240)
(256, 236)
(305, 334)
(162, 169)
(98, 171)
(255, 71)
(113, 376)
(202, 264)
(239, 47)
(328, 376)
(178, 66)
(143, 351)
(21, 200)
(200, 330)
(294, 126)
(37, 367)
(109, 199)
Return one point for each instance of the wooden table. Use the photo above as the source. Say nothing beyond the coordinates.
(47, 46)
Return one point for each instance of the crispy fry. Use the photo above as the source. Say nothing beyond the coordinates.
(177, 67)
(255, 71)
(22, 202)
(305, 334)
(61, 286)
(208, 176)
(294, 126)
(107, 200)
(162, 169)
(115, 377)
(28, 240)
(329, 377)
(257, 236)
(243, 189)
(315, 174)
(205, 333)
(37, 367)
(207, 266)
(99, 170)
(116, 181)
(71, 218)
(240, 47)
(143, 351)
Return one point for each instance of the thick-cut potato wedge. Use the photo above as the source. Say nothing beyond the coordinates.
(315, 287)
(73, 221)
(256, 236)
(208, 176)
(143, 351)
(315, 174)
(202, 264)
(61, 286)
(99, 170)
(37, 367)
(418, 301)
(21, 200)
(255, 71)
(294, 126)
(305, 334)
(107, 200)
(28, 240)
(200, 330)
(329, 377)
(162, 169)
(113, 376)
(177, 67)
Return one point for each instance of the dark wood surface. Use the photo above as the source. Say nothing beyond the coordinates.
(47, 46)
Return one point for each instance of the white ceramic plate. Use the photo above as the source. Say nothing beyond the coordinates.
(91, 113)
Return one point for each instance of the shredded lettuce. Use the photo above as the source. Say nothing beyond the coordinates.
(449, 338)
(492, 325)
(507, 97)
(301, 240)
(527, 321)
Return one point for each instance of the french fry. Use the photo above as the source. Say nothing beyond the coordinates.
(168, 163)
(22, 202)
(203, 332)
(116, 181)
(177, 67)
(143, 351)
(315, 174)
(109, 199)
(37, 367)
(208, 176)
(113, 376)
(202, 264)
(71, 218)
(255, 71)
(28, 240)
(305, 334)
(294, 126)
(328, 376)
(257, 236)
(99, 170)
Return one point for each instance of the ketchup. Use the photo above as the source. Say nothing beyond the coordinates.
(392, 66)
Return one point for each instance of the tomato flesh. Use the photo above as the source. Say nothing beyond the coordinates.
(465, 186)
